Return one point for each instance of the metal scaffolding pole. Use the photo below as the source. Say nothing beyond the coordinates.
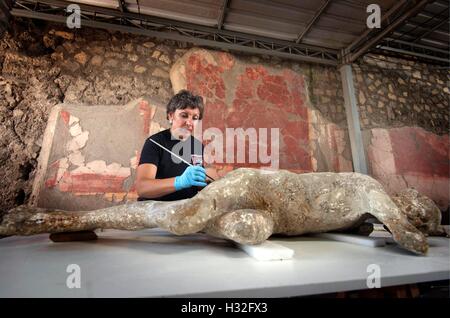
(354, 127)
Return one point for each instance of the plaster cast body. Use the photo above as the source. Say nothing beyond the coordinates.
(246, 206)
(421, 212)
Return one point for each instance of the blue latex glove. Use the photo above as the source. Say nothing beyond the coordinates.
(192, 176)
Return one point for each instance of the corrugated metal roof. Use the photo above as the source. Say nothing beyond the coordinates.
(330, 24)
(430, 27)
(340, 23)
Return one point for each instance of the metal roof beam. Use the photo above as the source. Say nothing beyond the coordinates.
(222, 14)
(422, 55)
(437, 26)
(192, 36)
(268, 4)
(384, 19)
(434, 42)
(410, 38)
(440, 3)
(313, 20)
(372, 42)
(414, 25)
(4, 15)
(413, 49)
(390, 40)
(427, 15)
(426, 21)
(122, 5)
(166, 22)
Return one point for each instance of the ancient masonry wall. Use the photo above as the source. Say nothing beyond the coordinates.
(404, 112)
(43, 65)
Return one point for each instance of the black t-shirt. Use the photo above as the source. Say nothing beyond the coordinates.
(168, 167)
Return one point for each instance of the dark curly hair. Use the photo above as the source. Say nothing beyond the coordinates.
(185, 99)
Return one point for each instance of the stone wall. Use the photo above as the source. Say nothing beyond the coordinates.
(394, 92)
(43, 65)
(404, 112)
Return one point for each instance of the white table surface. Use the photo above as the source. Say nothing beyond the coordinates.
(154, 263)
